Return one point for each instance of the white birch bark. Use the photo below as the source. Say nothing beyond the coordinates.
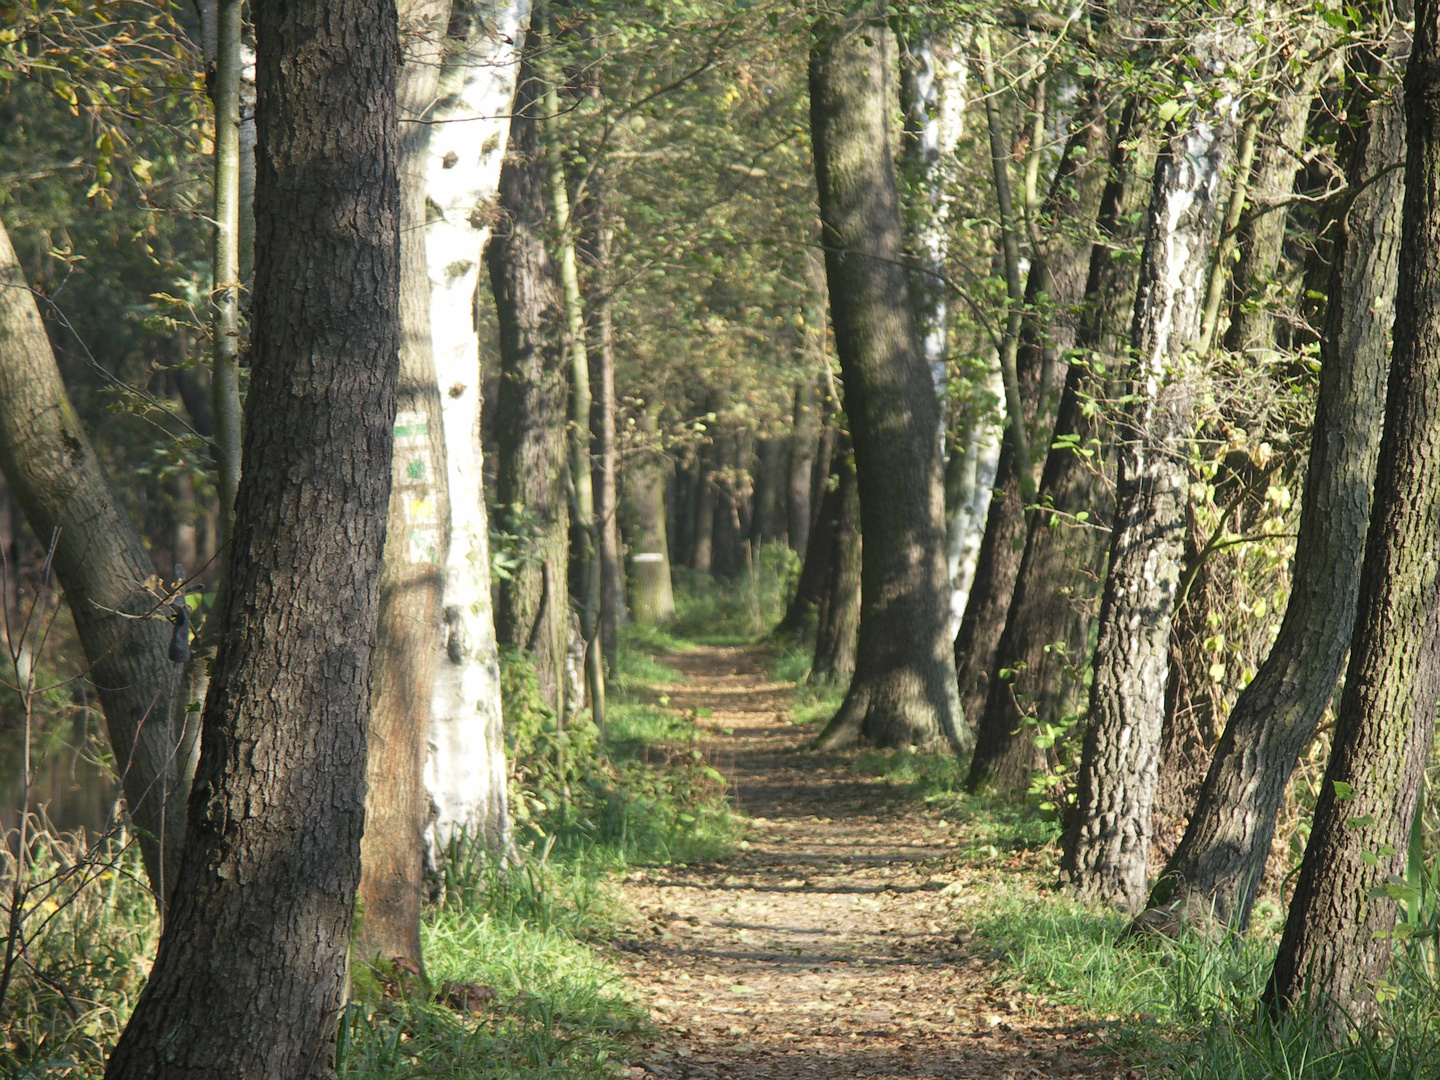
(466, 770)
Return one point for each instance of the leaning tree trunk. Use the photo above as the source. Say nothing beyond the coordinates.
(407, 643)
(1217, 868)
(903, 692)
(1058, 273)
(466, 772)
(1046, 628)
(1334, 950)
(1107, 843)
(101, 562)
(835, 634)
(251, 970)
(533, 607)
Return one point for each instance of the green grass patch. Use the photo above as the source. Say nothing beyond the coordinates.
(738, 610)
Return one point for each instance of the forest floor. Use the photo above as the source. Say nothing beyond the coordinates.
(833, 942)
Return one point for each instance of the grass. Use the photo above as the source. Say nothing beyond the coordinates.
(738, 610)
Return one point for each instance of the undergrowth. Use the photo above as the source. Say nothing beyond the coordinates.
(515, 987)
(734, 611)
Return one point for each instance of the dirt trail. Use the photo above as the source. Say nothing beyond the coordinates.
(832, 945)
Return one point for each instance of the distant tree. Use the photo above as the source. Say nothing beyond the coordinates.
(251, 970)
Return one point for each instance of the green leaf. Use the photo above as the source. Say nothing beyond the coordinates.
(1343, 791)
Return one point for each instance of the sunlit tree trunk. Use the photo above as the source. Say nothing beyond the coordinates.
(466, 771)
(839, 621)
(1334, 950)
(1107, 843)
(903, 692)
(651, 597)
(397, 804)
(1218, 866)
(250, 974)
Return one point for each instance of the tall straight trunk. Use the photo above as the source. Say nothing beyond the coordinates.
(1046, 628)
(466, 772)
(804, 435)
(407, 642)
(1107, 843)
(652, 599)
(1220, 861)
(250, 973)
(101, 562)
(613, 612)
(533, 610)
(702, 552)
(225, 316)
(1334, 949)
(769, 476)
(586, 548)
(903, 692)
(1058, 272)
(839, 621)
(819, 550)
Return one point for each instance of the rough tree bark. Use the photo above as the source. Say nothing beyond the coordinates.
(839, 622)
(466, 771)
(1107, 842)
(1046, 631)
(903, 692)
(1333, 952)
(1056, 280)
(533, 608)
(101, 562)
(250, 973)
(407, 643)
(1217, 868)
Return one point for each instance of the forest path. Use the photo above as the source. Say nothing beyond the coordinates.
(825, 946)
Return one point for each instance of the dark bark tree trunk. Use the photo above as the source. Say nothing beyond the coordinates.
(819, 549)
(101, 562)
(1058, 273)
(1220, 861)
(903, 692)
(407, 643)
(706, 497)
(532, 612)
(652, 600)
(804, 437)
(250, 973)
(1107, 843)
(1047, 624)
(839, 621)
(1334, 952)
(767, 525)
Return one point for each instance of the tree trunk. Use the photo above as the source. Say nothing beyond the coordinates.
(1058, 273)
(250, 973)
(101, 562)
(1334, 950)
(703, 546)
(533, 611)
(1107, 843)
(652, 600)
(407, 642)
(804, 435)
(819, 551)
(466, 772)
(613, 614)
(1217, 868)
(1047, 626)
(903, 692)
(840, 613)
(770, 473)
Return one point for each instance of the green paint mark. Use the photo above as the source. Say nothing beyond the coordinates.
(405, 431)
(415, 469)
